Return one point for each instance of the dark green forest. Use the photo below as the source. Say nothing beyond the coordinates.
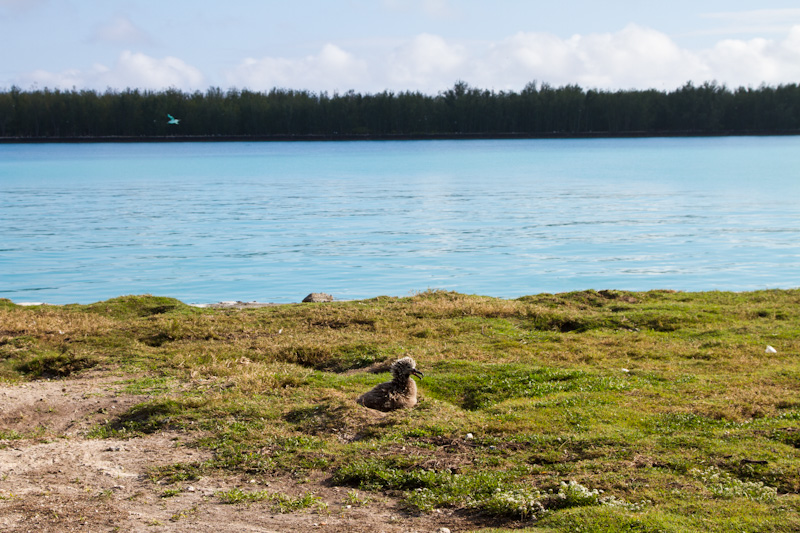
(537, 110)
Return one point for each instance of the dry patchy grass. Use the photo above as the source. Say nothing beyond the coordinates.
(629, 393)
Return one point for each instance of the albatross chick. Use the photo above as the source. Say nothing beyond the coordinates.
(400, 393)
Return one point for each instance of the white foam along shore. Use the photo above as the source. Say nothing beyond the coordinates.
(236, 305)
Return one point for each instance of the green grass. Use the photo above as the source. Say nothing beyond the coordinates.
(664, 401)
(235, 496)
(479, 385)
(53, 365)
(129, 307)
(281, 503)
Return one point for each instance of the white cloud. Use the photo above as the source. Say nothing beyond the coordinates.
(332, 69)
(121, 30)
(792, 41)
(140, 70)
(132, 70)
(62, 80)
(524, 57)
(423, 62)
(755, 61)
(632, 58)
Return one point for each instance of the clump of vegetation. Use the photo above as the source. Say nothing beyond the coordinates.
(234, 496)
(354, 498)
(663, 409)
(53, 365)
(286, 504)
(143, 418)
(281, 503)
(128, 307)
(525, 503)
(724, 485)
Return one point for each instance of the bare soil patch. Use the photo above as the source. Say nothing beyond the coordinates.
(54, 478)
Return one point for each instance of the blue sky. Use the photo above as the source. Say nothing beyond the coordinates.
(373, 45)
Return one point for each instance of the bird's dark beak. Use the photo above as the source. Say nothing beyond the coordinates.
(417, 373)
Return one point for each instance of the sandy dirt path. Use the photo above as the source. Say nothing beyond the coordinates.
(57, 479)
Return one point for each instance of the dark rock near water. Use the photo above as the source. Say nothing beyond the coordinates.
(317, 297)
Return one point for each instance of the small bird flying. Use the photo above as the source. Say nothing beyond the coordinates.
(172, 120)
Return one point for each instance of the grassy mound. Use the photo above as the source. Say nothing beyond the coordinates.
(589, 411)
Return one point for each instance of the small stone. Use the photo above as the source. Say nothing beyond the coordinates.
(190, 489)
(469, 436)
(317, 297)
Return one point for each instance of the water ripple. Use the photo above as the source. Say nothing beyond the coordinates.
(275, 221)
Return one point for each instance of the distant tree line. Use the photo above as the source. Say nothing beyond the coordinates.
(539, 109)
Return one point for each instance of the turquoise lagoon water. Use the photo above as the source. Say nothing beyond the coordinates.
(208, 222)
